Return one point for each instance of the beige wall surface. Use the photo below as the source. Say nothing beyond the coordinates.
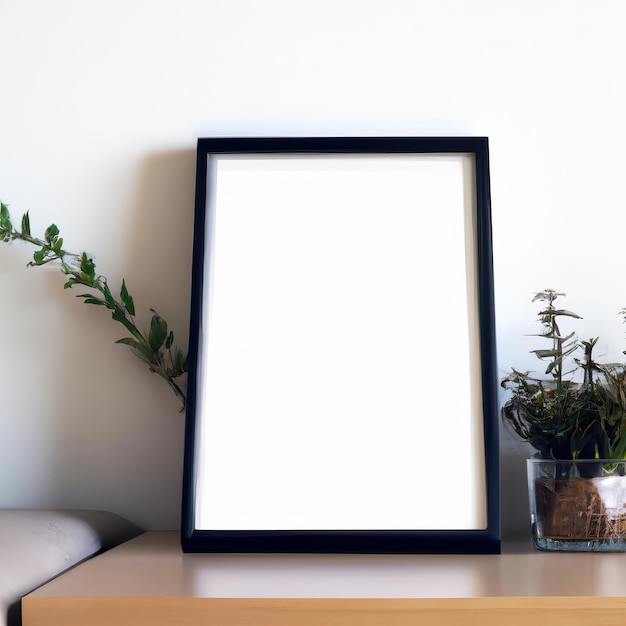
(101, 104)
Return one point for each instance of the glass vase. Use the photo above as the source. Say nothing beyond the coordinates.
(578, 505)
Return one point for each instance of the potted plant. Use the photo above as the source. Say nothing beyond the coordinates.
(575, 418)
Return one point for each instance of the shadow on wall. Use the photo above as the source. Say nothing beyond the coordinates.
(163, 226)
(514, 508)
(132, 444)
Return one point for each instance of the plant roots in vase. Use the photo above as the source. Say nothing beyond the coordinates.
(578, 505)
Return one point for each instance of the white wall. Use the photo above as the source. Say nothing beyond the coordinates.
(100, 107)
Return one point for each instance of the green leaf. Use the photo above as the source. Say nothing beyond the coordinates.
(158, 332)
(88, 268)
(40, 255)
(544, 354)
(107, 294)
(620, 450)
(92, 300)
(118, 316)
(127, 299)
(169, 341)
(58, 246)
(26, 224)
(143, 351)
(5, 217)
(179, 361)
(51, 233)
(566, 313)
(163, 374)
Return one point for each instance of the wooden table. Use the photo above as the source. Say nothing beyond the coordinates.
(149, 581)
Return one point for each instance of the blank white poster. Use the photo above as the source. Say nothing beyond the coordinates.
(340, 352)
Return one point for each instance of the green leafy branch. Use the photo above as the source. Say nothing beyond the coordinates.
(156, 347)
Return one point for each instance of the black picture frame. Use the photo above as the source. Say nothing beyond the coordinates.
(224, 501)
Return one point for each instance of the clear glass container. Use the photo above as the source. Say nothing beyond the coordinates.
(578, 505)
